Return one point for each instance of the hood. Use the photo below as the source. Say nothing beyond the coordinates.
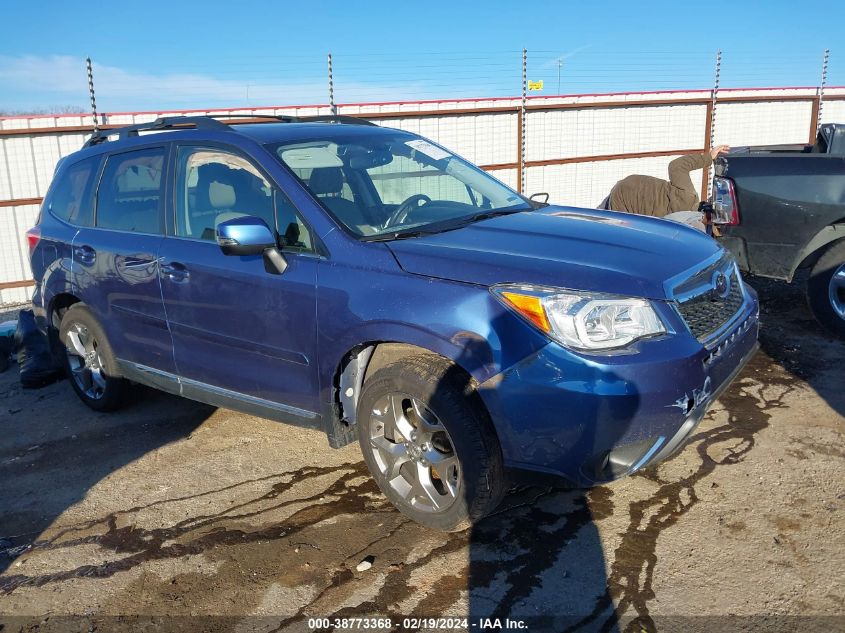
(581, 249)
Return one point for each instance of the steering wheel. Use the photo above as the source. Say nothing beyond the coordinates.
(405, 207)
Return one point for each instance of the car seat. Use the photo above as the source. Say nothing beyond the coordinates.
(327, 183)
(224, 194)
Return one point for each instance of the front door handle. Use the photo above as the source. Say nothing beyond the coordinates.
(175, 272)
(85, 255)
(137, 261)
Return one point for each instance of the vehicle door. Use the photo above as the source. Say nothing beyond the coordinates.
(115, 261)
(239, 328)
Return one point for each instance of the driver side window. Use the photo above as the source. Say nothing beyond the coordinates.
(215, 186)
(404, 177)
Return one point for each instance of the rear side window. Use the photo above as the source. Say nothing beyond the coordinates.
(131, 190)
(71, 199)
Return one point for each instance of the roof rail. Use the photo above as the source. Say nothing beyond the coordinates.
(287, 118)
(282, 118)
(161, 123)
(210, 122)
(335, 118)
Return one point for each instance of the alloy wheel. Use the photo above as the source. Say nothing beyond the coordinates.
(836, 291)
(86, 367)
(414, 452)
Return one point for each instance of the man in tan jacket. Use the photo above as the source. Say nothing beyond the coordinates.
(647, 195)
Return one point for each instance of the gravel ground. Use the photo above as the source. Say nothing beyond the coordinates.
(172, 515)
(10, 312)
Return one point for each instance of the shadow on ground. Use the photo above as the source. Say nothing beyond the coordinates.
(794, 339)
(49, 462)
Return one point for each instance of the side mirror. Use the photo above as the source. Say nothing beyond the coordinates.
(536, 200)
(247, 235)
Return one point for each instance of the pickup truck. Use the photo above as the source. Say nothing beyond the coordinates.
(781, 208)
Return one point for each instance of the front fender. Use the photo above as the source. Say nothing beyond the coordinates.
(462, 322)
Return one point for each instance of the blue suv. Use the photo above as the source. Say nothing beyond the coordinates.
(365, 281)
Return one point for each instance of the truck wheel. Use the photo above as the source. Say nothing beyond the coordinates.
(89, 361)
(826, 289)
(429, 443)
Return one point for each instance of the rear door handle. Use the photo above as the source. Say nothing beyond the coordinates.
(175, 272)
(85, 255)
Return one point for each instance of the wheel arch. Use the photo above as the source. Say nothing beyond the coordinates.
(363, 360)
(58, 305)
(51, 320)
(817, 246)
(824, 295)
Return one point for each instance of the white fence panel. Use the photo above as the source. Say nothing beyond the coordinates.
(14, 252)
(763, 123)
(616, 130)
(507, 176)
(833, 112)
(484, 139)
(587, 184)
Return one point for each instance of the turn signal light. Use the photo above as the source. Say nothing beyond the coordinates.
(530, 307)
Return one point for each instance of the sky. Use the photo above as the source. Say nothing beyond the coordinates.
(247, 54)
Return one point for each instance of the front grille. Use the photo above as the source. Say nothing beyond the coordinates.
(728, 341)
(705, 313)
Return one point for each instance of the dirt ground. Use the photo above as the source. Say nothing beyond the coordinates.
(172, 515)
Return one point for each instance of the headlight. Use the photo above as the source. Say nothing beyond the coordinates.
(583, 320)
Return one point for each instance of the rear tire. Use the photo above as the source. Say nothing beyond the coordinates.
(429, 443)
(826, 289)
(89, 361)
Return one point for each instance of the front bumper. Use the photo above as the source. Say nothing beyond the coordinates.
(590, 419)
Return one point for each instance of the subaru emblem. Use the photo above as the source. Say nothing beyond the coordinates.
(721, 285)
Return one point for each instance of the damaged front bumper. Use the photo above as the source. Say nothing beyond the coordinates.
(591, 419)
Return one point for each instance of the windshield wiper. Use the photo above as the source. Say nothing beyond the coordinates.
(441, 227)
(396, 235)
(486, 215)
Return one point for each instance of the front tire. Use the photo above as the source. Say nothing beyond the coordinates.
(826, 289)
(429, 443)
(89, 361)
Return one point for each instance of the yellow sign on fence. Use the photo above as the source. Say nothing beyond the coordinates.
(535, 85)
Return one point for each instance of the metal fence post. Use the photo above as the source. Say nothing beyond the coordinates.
(91, 92)
(521, 178)
(331, 88)
(821, 89)
(710, 134)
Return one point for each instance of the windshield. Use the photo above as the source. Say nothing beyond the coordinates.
(388, 185)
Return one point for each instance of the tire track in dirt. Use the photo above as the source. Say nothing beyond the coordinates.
(519, 527)
(158, 543)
